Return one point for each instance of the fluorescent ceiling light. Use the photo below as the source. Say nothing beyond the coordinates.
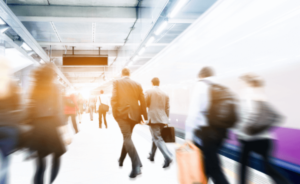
(134, 58)
(2, 22)
(161, 28)
(142, 51)
(42, 61)
(26, 47)
(129, 64)
(150, 41)
(177, 8)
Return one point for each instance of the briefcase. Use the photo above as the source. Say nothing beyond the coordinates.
(104, 107)
(168, 134)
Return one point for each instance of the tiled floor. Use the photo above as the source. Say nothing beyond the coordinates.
(92, 159)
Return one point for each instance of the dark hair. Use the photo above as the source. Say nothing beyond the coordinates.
(206, 72)
(155, 81)
(101, 92)
(125, 72)
(253, 80)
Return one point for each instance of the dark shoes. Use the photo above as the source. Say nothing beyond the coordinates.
(151, 158)
(120, 163)
(135, 172)
(167, 163)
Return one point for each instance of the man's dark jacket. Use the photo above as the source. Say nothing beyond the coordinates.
(128, 100)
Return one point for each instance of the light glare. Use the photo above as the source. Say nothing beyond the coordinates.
(177, 8)
(150, 41)
(142, 51)
(161, 28)
(26, 47)
(2, 22)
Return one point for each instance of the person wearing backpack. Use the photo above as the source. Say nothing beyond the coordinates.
(253, 131)
(211, 112)
(46, 115)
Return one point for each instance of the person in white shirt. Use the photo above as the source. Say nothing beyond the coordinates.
(198, 131)
(261, 143)
(102, 112)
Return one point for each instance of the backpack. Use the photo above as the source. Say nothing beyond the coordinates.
(222, 110)
(266, 117)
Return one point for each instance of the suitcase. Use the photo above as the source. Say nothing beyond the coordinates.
(168, 134)
(190, 165)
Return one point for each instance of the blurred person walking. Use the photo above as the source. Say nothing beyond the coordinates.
(46, 113)
(203, 127)
(158, 116)
(9, 118)
(128, 107)
(103, 108)
(71, 107)
(252, 131)
(92, 104)
(80, 107)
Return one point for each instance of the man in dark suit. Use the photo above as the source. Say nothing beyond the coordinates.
(158, 112)
(128, 106)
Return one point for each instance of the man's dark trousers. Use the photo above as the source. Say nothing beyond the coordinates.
(73, 119)
(157, 141)
(102, 114)
(210, 147)
(126, 126)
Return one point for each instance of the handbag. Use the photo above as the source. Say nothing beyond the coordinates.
(103, 107)
(263, 120)
(190, 164)
(168, 134)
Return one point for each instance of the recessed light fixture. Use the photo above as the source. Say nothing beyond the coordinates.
(2, 22)
(177, 8)
(26, 47)
(161, 28)
(150, 41)
(142, 51)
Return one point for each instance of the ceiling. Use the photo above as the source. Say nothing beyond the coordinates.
(119, 27)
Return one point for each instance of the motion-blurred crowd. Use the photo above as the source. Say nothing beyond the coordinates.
(34, 125)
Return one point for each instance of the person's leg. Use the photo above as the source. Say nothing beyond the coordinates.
(159, 142)
(55, 167)
(213, 169)
(245, 151)
(104, 117)
(73, 118)
(265, 147)
(40, 170)
(128, 146)
(100, 117)
(154, 147)
(91, 112)
(4, 168)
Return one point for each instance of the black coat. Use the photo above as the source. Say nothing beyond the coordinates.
(128, 100)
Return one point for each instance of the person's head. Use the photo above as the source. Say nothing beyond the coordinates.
(155, 81)
(205, 72)
(44, 74)
(125, 72)
(252, 80)
(101, 92)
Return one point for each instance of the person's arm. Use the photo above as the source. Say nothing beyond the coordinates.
(198, 104)
(147, 99)
(167, 108)
(114, 99)
(143, 103)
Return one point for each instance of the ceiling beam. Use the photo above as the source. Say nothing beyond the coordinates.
(74, 13)
(10, 18)
(95, 44)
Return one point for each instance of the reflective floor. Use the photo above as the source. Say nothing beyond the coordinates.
(93, 154)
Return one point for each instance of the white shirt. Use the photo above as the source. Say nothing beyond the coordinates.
(199, 104)
(104, 99)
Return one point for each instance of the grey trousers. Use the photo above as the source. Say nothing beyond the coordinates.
(157, 141)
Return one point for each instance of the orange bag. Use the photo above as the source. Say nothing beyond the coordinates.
(190, 164)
